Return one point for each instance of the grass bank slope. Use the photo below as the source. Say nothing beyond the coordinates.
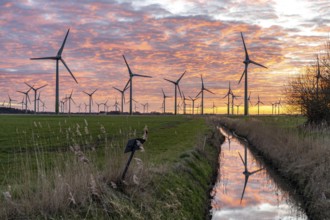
(301, 155)
(56, 167)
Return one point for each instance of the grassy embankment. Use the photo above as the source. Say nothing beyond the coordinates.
(301, 155)
(70, 167)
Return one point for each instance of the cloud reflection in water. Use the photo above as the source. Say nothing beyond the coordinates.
(262, 198)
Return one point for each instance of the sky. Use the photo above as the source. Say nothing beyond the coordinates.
(161, 39)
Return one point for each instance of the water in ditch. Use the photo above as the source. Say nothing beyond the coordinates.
(245, 189)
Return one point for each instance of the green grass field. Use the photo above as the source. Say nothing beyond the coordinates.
(34, 150)
(169, 136)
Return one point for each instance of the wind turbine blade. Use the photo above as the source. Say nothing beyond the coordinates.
(69, 70)
(117, 89)
(129, 69)
(31, 87)
(256, 171)
(246, 53)
(246, 180)
(179, 90)
(59, 53)
(163, 92)
(170, 81)
(241, 158)
(44, 58)
(209, 91)
(226, 95)
(202, 80)
(181, 77)
(94, 92)
(142, 75)
(199, 93)
(258, 64)
(41, 87)
(244, 72)
(73, 101)
(20, 92)
(71, 93)
(85, 93)
(126, 86)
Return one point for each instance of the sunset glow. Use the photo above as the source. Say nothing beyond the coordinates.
(161, 39)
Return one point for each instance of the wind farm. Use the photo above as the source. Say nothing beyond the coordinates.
(166, 81)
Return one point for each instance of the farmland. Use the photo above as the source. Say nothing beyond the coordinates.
(71, 166)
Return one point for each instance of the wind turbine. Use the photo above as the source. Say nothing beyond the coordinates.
(232, 102)
(122, 92)
(193, 103)
(145, 105)
(202, 92)
(26, 98)
(246, 172)
(247, 61)
(176, 85)
(10, 100)
(228, 94)
(79, 107)
(164, 100)
(105, 104)
(57, 58)
(273, 106)
(131, 75)
(258, 103)
(69, 98)
(98, 107)
(38, 101)
(116, 105)
(237, 108)
(90, 99)
(213, 107)
(43, 105)
(22, 102)
(35, 94)
(184, 103)
(85, 107)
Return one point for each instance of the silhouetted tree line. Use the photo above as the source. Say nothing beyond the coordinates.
(309, 92)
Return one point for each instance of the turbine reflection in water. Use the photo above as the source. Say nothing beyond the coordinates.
(251, 195)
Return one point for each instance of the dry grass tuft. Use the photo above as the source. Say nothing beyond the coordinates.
(74, 182)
